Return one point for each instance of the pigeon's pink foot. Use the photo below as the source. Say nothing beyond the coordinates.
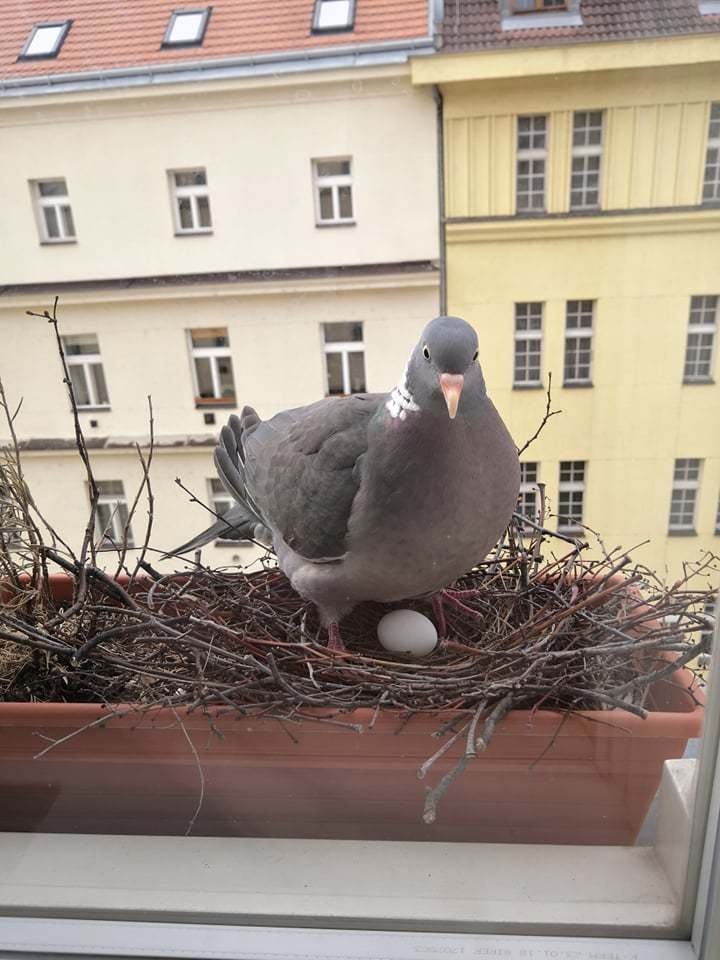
(335, 641)
(439, 611)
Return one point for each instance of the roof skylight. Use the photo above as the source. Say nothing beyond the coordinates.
(45, 40)
(333, 15)
(186, 27)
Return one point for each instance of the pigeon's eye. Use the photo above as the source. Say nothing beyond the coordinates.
(475, 356)
(426, 352)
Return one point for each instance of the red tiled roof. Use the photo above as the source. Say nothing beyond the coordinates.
(108, 34)
(475, 24)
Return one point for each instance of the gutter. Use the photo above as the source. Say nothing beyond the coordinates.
(271, 64)
(442, 244)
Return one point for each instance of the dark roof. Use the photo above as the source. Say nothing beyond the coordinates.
(475, 24)
(228, 276)
(111, 34)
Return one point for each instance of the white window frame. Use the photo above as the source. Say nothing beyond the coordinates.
(531, 155)
(343, 27)
(705, 306)
(197, 40)
(86, 360)
(333, 182)
(116, 527)
(58, 201)
(344, 348)
(213, 354)
(529, 493)
(583, 153)
(711, 175)
(567, 524)
(190, 193)
(690, 486)
(576, 310)
(50, 54)
(526, 336)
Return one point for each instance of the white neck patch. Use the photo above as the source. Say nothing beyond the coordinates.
(401, 400)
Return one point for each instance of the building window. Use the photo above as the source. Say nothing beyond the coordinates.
(700, 345)
(529, 496)
(528, 345)
(571, 495)
(578, 341)
(190, 201)
(686, 481)
(220, 499)
(186, 28)
(710, 614)
(333, 191)
(54, 214)
(82, 355)
(333, 16)
(537, 6)
(586, 160)
(711, 186)
(344, 358)
(531, 161)
(111, 518)
(11, 524)
(45, 40)
(212, 366)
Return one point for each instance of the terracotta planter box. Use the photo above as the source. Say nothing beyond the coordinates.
(541, 780)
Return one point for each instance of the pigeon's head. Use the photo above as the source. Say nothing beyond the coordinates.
(444, 366)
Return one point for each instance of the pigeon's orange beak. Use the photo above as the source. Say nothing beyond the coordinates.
(451, 385)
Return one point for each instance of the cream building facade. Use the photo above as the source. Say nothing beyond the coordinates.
(611, 284)
(293, 256)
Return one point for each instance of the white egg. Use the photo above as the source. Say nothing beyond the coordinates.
(407, 631)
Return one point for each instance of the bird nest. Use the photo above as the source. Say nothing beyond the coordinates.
(541, 623)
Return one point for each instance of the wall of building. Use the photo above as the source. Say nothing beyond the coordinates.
(256, 144)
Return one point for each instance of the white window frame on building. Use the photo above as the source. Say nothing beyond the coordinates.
(579, 323)
(214, 354)
(531, 163)
(711, 179)
(572, 478)
(335, 186)
(586, 165)
(186, 27)
(528, 334)
(529, 495)
(86, 371)
(344, 349)
(189, 197)
(684, 496)
(53, 211)
(45, 40)
(701, 339)
(333, 16)
(111, 516)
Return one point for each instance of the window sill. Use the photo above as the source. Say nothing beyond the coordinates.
(541, 19)
(682, 533)
(193, 233)
(335, 223)
(100, 408)
(577, 385)
(571, 531)
(215, 403)
(528, 386)
(59, 242)
(698, 381)
(233, 544)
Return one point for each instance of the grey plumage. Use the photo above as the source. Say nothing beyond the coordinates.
(376, 496)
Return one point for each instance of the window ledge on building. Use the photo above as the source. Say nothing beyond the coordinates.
(58, 242)
(194, 233)
(233, 544)
(528, 386)
(336, 223)
(690, 532)
(697, 381)
(579, 384)
(529, 21)
(215, 403)
(100, 408)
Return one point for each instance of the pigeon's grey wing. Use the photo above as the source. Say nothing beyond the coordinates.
(303, 469)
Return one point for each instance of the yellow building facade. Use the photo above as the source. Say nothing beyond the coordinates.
(636, 261)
